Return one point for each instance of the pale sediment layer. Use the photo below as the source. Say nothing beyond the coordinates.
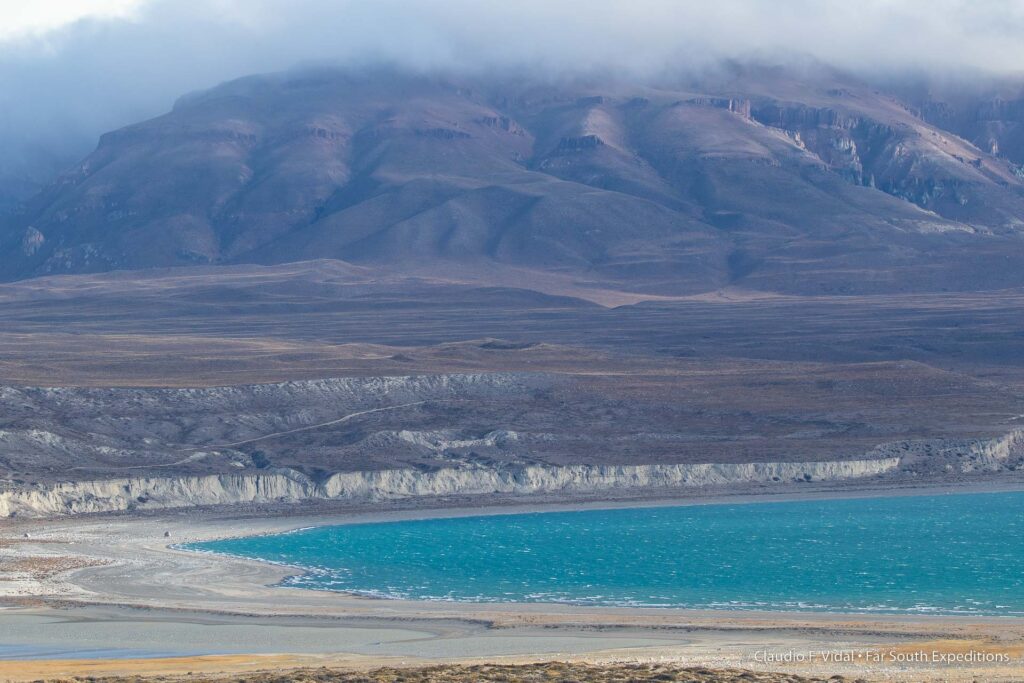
(287, 485)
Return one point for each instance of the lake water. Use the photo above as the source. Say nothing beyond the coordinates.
(950, 554)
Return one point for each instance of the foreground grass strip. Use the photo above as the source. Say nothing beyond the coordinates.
(552, 672)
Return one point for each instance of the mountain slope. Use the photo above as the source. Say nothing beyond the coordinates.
(760, 178)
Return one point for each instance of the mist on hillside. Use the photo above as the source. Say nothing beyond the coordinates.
(60, 89)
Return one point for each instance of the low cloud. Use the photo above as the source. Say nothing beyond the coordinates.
(60, 89)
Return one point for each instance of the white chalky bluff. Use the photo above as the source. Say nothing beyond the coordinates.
(286, 485)
(993, 454)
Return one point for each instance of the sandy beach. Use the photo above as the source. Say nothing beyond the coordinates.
(110, 595)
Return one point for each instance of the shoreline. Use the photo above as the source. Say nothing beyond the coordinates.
(477, 509)
(527, 509)
(122, 569)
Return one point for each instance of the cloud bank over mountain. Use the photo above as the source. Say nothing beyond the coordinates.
(180, 35)
(60, 88)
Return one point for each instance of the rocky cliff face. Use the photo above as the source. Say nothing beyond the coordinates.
(90, 449)
(905, 158)
(1006, 451)
(994, 124)
(289, 486)
(958, 456)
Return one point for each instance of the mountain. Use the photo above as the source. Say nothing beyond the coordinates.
(791, 180)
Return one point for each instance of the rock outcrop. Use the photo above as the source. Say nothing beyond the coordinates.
(290, 486)
(957, 456)
(996, 454)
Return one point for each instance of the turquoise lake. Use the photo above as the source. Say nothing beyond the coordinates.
(951, 554)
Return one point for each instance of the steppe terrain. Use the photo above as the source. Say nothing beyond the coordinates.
(271, 385)
(352, 284)
(317, 297)
(254, 399)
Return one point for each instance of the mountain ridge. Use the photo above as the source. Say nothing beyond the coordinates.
(762, 179)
